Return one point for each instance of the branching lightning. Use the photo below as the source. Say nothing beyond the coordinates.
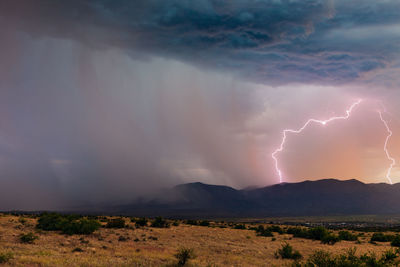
(390, 133)
(324, 122)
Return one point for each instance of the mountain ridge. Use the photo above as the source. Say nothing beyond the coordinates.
(306, 198)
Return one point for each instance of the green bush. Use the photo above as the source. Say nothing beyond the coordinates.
(276, 229)
(22, 220)
(159, 222)
(184, 255)
(123, 238)
(192, 222)
(395, 241)
(77, 250)
(298, 232)
(287, 252)
(322, 258)
(204, 223)
(325, 259)
(315, 233)
(240, 226)
(80, 227)
(330, 239)
(6, 257)
(346, 235)
(67, 224)
(141, 222)
(28, 238)
(261, 231)
(381, 237)
(389, 256)
(116, 223)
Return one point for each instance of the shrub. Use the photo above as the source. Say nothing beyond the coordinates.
(141, 222)
(389, 256)
(240, 226)
(298, 232)
(27, 238)
(287, 252)
(380, 237)
(80, 227)
(54, 221)
(77, 250)
(22, 220)
(321, 258)
(6, 257)
(261, 231)
(50, 221)
(159, 222)
(276, 229)
(204, 223)
(329, 239)
(116, 223)
(184, 255)
(191, 222)
(395, 241)
(123, 238)
(317, 233)
(349, 258)
(68, 224)
(346, 235)
(175, 223)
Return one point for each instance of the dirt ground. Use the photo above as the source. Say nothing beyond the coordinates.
(213, 246)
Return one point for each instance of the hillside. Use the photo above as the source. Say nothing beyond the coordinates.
(322, 197)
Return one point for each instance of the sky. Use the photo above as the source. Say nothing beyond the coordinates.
(102, 101)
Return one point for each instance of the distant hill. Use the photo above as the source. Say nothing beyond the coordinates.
(322, 197)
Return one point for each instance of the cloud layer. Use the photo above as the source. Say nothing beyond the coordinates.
(272, 41)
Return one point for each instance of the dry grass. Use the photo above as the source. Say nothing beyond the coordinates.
(212, 246)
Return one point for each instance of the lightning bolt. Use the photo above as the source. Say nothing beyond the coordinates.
(322, 122)
(390, 133)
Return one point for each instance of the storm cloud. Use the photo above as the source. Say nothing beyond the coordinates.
(272, 41)
(102, 101)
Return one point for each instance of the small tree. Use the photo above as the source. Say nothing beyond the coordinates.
(317, 233)
(346, 235)
(27, 238)
(116, 223)
(141, 222)
(329, 239)
(380, 237)
(68, 224)
(159, 222)
(191, 222)
(6, 257)
(396, 241)
(240, 226)
(287, 252)
(261, 231)
(204, 223)
(184, 255)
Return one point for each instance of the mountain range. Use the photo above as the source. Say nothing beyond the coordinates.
(308, 198)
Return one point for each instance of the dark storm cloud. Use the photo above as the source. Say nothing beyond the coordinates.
(270, 41)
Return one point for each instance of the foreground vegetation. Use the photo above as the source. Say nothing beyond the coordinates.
(51, 239)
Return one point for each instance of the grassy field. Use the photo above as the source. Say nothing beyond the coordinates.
(148, 246)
